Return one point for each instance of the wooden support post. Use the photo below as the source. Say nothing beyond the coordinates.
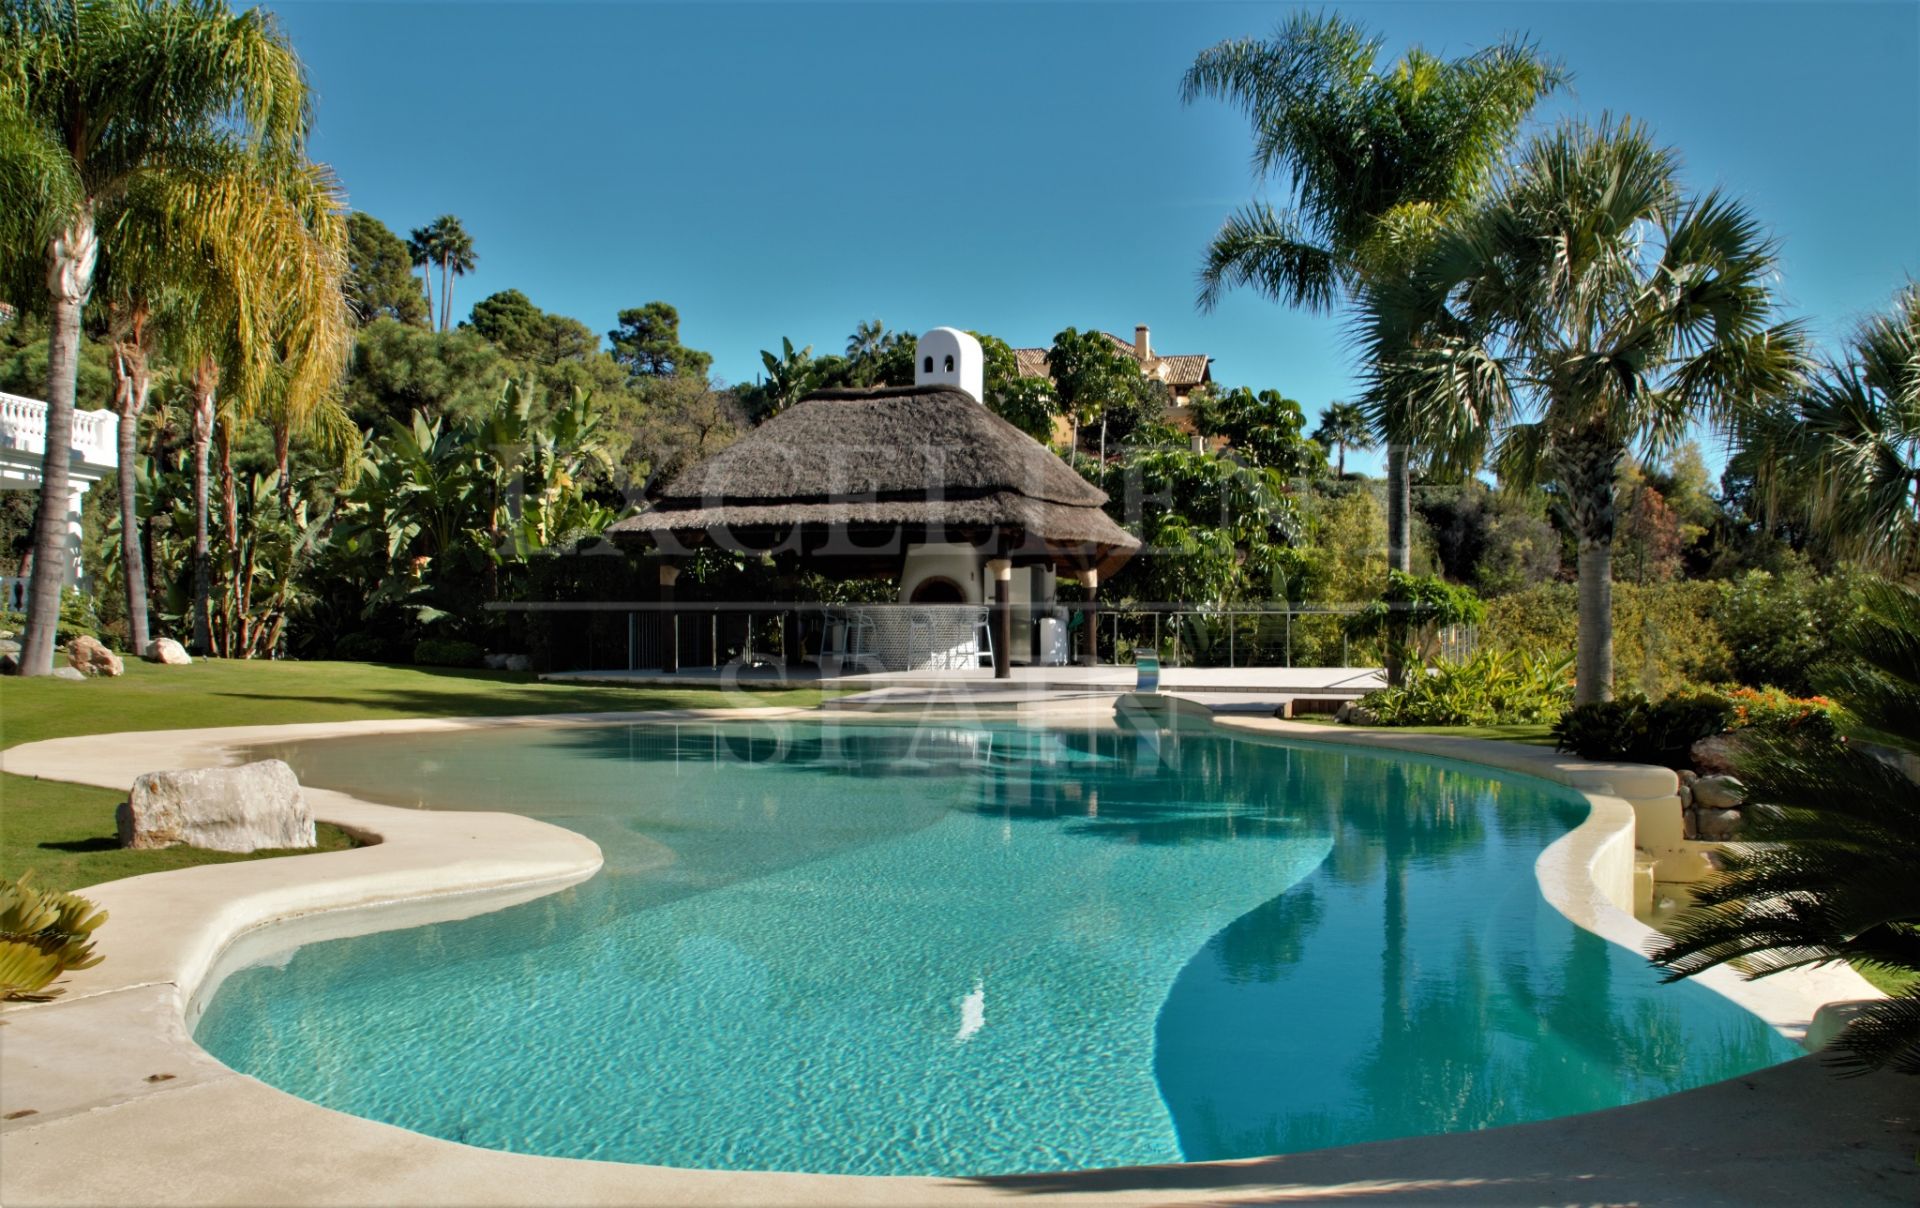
(1002, 617)
(669, 620)
(1090, 656)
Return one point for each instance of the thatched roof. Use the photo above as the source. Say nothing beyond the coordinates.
(918, 457)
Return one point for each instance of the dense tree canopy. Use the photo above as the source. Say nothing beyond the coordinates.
(647, 344)
(380, 274)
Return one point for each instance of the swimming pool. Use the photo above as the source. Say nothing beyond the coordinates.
(877, 949)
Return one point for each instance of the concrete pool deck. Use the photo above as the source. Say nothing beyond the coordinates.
(125, 1109)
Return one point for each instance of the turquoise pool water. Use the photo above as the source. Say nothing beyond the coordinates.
(970, 950)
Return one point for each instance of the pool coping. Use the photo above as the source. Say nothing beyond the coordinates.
(110, 1067)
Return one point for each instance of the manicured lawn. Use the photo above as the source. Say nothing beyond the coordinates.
(64, 833)
(1533, 734)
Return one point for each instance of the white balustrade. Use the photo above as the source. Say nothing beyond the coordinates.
(23, 428)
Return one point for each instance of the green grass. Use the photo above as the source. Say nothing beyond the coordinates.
(1535, 734)
(64, 833)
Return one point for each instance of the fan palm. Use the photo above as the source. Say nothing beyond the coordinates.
(445, 243)
(1843, 455)
(1375, 159)
(420, 251)
(1343, 426)
(1586, 310)
(97, 98)
(1831, 859)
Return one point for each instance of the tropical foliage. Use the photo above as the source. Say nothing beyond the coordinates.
(1586, 310)
(1373, 159)
(1842, 455)
(42, 936)
(1489, 687)
(1830, 866)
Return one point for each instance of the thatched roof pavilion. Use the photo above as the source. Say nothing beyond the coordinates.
(919, 483)
(849, 479)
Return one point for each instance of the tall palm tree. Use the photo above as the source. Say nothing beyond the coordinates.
(1343, 426)
(1374, 160)
(421, 251)
(1586, 310)
(245, 269)
(445, 243)
(97, 98)
(1843, 455)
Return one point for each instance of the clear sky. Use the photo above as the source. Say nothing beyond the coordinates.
(793, 168)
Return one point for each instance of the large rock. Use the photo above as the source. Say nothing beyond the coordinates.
(517, 662)
(1718, 824)
(167, 651)
(87, 656)
(9, 646)
(1718, 792)
(1717, 754)
(253, 806)
(69, 673)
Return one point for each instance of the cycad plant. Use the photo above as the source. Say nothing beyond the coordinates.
(43, 935)
(1829, 866)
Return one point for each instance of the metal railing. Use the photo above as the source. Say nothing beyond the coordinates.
(635, 635)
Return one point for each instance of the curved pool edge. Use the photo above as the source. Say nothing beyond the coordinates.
(1587, 874)
(111, 1068)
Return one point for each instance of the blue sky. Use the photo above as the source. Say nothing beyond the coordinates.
(790, 169)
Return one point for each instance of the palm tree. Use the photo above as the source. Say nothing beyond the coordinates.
(869, 340)
(448, 245)
(1584, 311)
(1343, 426)
(1374, 159)
(1830, 858)
(95, 100)
(421, 251)
(1843, 455)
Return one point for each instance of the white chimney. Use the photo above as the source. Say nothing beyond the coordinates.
(1142, 347)
(947, 356)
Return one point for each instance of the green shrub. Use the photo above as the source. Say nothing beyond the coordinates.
(1493, 687)
(77, 618)
(1637, 730)
(1779, 628)
(447, 652)
(363, 648)
(1770, 711)
(1664, 634)
(43, 935)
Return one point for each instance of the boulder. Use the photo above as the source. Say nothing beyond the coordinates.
(517, 662)
(1685, 793)
(89, 657)
(1717, 754)
(67, 673)
(1717, 824)
(1689, 825)
(1718, 792)
(494, 662)
(1688, 775)
(167, 651)
(253, 806)
(9, 646)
